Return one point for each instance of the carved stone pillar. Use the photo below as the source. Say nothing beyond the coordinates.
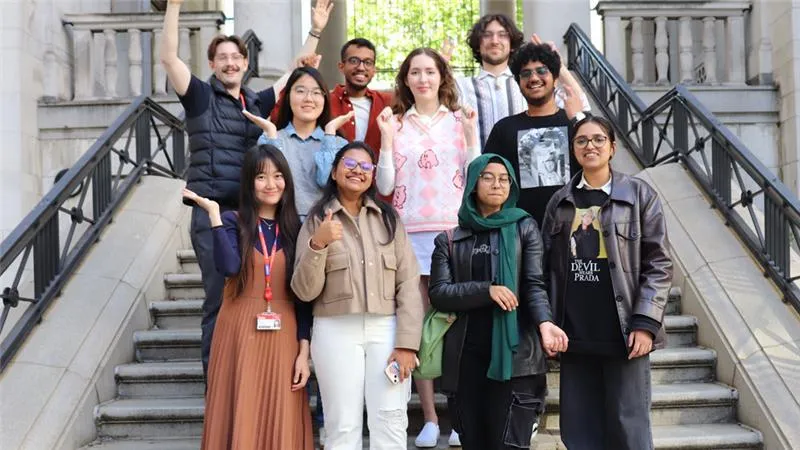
(159, 72)
(203, 38)
(637, 50)
(135, 61)
(110, 57)
(82, 56)
(709, 49)
(185, 47)
(686, 59)
(736, 50)
(662, 46)
(614, 43)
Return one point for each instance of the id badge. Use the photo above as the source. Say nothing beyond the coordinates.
(268, 321)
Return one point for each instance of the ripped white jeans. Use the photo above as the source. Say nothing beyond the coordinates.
(350, 354)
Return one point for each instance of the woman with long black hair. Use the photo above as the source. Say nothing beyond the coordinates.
(259, 367)
(356, 264)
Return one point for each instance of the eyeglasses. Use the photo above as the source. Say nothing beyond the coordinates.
(598, 140)
(490, 178)
(303, 92)
(236, 57)
(351, 164)
(527, 73)
(356, 61)
(500, 35)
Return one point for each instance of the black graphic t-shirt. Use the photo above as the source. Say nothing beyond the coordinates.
(591, 320)
(538, 149)
(478, 338)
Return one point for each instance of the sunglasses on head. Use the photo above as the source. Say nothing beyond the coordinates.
(351, 164)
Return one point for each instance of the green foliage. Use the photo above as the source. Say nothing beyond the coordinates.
(398, 26)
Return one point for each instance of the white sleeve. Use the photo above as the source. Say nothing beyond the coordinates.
(385, 172)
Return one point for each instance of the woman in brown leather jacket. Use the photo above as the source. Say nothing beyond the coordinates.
(610, 303)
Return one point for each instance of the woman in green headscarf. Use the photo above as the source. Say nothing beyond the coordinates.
(489, 272)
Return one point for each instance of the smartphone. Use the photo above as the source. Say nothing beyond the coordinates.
(392, 372)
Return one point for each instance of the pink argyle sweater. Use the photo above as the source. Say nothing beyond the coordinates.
(429, 163)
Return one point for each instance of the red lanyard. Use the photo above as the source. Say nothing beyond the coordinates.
(241, 99)
(268, 255)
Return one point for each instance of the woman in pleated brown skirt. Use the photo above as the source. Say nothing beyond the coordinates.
(256, 397)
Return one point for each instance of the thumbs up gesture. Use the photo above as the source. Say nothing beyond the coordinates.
(328, 231)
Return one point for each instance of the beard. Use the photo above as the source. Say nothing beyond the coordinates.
(494, 61)
(540, 101)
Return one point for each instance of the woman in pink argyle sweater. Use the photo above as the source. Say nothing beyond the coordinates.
(427, 142)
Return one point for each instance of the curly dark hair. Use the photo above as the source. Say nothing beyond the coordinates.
(474, 38)
(535, 53)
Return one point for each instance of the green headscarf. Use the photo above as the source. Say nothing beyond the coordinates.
(505, 336)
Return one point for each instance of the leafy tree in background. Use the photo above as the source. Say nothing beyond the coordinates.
(398, 26)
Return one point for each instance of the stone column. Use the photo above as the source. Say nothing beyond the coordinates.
(637, 50)
(662, 45)
(614, 43)
(280, 35)
(686, 58)
(709, 50)
(507, 7)
(334, 35)
(736, 67)
(551, 18)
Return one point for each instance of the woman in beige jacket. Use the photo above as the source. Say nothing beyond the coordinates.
(355, 262)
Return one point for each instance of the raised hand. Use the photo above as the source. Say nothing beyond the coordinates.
(330, 230)
(572, 102)
(311, 60)
(504, 298)
(320, 14)
(447, 49)
(384, 121)
(554, 339)
(337, 122)
(266, 125)
(207, 204)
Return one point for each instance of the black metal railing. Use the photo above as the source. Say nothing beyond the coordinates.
(763, 212)
(253, 44)
(145, 140)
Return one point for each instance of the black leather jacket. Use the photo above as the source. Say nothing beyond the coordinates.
(635, 233)
(452, 290)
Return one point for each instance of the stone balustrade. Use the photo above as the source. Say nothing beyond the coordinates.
(676, 41)
(117, 55)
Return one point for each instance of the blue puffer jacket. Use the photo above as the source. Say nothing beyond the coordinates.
(218, 139)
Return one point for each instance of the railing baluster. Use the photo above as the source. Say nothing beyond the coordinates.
(776, 235)
(178, 151)
(721, 171)
(680, 128)
(143, 136)
(101, 185)
(45, 255)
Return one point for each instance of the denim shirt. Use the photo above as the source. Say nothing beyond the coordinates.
(310, 161)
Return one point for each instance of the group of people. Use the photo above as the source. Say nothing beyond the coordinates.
(327, 222)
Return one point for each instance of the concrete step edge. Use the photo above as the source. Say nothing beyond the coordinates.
(176, 280)
(185, 307)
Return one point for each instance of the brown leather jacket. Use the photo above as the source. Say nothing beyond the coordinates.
(638, 260)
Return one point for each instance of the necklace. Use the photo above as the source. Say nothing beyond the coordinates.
(268, 222)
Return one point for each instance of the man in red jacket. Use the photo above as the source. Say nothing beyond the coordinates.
(358, 67)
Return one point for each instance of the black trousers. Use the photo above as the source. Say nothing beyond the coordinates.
(213, 281)
(605, 402)
(492, 415)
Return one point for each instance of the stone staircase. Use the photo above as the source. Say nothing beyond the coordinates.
(159, 402)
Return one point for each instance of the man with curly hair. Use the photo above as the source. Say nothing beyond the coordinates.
(492, 92)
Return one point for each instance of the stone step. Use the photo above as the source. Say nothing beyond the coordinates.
(681, 330)
(184, 285)
(188, 261)
(674, 404)
(185, 378)
(177, 314)
(167, 345)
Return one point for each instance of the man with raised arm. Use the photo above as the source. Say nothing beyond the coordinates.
(493, 91)
(219, 135)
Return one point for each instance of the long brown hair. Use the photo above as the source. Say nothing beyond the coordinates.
(448, 92)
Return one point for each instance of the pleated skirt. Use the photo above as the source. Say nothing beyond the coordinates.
(249, 402)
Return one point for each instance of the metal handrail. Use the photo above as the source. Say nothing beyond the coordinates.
(678, 128)
(92, 177)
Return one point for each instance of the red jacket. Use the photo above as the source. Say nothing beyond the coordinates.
(340, 104)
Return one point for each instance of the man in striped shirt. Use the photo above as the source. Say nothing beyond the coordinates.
(493, 92)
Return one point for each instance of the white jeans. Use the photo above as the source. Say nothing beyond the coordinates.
(350, 354)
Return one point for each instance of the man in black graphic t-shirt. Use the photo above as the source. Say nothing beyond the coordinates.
(536, 141)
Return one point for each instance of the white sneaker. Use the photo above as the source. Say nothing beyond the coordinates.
(322, 438)
(428, 437)
(454, 440)
(535, 430)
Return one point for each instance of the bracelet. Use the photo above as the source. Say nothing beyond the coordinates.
(314, 35)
